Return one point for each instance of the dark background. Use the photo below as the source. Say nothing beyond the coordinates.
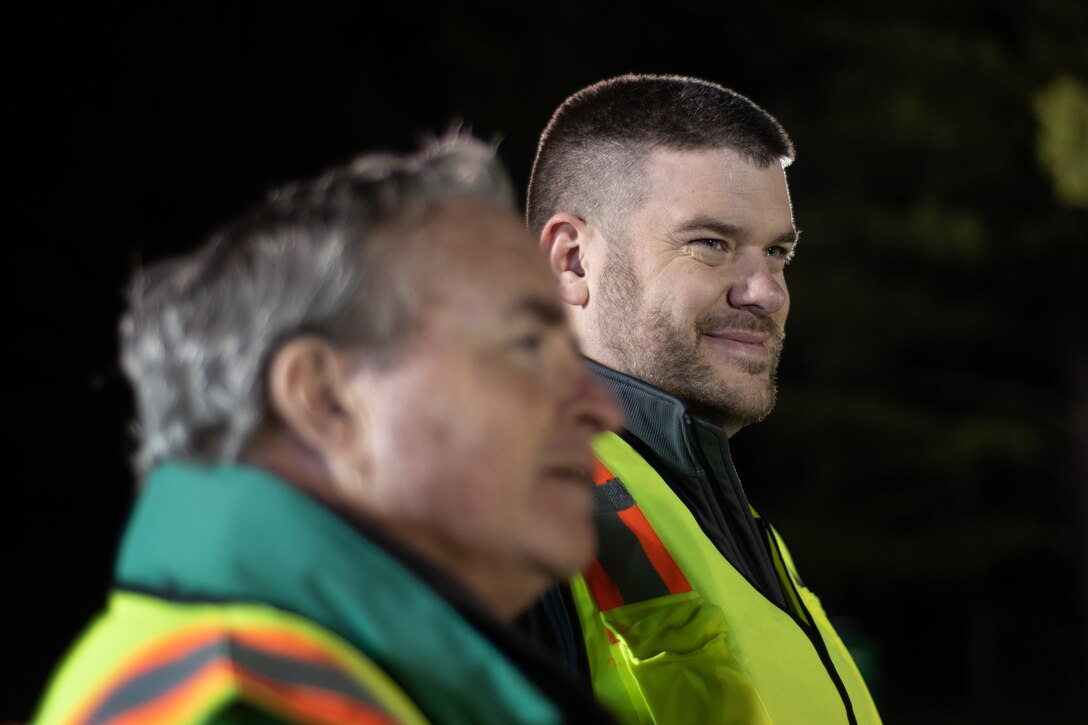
(927, 461)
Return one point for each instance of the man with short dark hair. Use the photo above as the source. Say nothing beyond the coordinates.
(662, 204)
(364, 448)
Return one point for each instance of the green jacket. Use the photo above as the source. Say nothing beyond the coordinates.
(239, 598)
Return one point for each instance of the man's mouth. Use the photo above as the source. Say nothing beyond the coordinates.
(574, 473)
(741, 341)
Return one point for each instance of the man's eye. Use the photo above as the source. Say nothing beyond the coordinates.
(530, 342)
(715, 244)
(779, 252)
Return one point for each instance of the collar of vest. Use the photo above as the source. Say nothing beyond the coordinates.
(234, 533)
(663, 422)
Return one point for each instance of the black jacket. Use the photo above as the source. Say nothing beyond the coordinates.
(692, 456)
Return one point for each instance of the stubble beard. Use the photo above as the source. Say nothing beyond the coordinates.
(647, 344)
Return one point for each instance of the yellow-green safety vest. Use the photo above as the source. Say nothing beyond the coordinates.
(676, 635)
(149, 660)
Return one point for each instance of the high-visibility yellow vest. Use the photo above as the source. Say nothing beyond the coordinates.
(675, 635)
(149, 660)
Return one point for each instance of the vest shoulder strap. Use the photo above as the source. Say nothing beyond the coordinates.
(632, 563)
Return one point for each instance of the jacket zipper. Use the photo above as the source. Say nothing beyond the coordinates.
(809, 627)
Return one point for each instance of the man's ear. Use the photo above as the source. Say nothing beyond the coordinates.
(308, 390)
(564, 240)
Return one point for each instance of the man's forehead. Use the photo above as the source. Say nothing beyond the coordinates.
(476, 212)
(715, 179)
(459, 228)
(482, 255)
(666, 163)
(718, 193)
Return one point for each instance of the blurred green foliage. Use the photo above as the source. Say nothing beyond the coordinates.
(1062, 110)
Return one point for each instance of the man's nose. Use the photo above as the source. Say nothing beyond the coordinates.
(756, 287)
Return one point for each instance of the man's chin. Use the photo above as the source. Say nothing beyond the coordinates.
(733, 406)
(563, 561)
(742, 369)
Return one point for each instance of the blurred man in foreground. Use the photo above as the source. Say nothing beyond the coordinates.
(364, 447)
(662, 204)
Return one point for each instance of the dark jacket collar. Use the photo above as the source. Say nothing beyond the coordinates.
(662, 421)
(692, 456)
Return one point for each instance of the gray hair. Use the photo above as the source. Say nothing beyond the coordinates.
(322, 257)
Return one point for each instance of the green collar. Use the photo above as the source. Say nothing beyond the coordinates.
(231, 533)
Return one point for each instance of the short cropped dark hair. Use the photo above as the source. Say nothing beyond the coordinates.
(589, 160)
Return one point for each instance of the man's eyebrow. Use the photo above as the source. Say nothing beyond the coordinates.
(704, 223)
(547, 311)
(792, 237)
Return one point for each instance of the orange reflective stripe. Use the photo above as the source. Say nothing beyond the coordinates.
(632, 563)
(308, 704)
(604, 590)
(601, 474)
(284, 643)
(656, 552)
(176, 703)
(193, 670)
(154, 656)
(305, 701)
